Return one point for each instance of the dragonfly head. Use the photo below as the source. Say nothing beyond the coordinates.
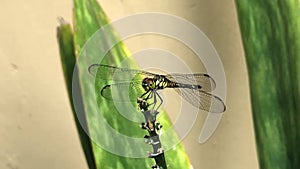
(148, 84)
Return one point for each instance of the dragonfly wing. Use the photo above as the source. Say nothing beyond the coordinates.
(117, 74)
(202, 100)
(122, 92)
(204, 80)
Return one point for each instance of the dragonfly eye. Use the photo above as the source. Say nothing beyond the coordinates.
(147, 83)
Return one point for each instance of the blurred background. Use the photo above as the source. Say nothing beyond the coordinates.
(37, 127)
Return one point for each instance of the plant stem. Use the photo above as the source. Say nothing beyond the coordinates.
(153, 138)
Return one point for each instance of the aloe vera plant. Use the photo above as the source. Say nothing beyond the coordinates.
(271, 38)
(88, 18)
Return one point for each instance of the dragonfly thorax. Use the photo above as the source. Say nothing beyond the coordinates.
(157, 82)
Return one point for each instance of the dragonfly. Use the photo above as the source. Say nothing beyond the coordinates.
(134, 83)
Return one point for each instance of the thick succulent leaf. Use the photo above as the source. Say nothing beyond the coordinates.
(68, 60)
(88, 18)
(271, 38)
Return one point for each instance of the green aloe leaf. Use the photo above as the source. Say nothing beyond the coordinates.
(67, 53)
(88, 18)
(271, 39)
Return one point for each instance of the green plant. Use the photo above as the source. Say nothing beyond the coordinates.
(271, 38)
(88, 18)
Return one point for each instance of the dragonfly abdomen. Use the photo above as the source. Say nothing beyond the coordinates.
(181, 85)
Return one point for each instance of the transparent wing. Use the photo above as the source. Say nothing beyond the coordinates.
(202, 100)
(117, 74)
(204, 80)
(122, 92)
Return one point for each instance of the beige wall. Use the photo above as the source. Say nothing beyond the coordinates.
(37, 129)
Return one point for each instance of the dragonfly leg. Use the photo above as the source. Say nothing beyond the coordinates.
(160, 102)
(150, 96)
(154, 100)
(145, 93)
